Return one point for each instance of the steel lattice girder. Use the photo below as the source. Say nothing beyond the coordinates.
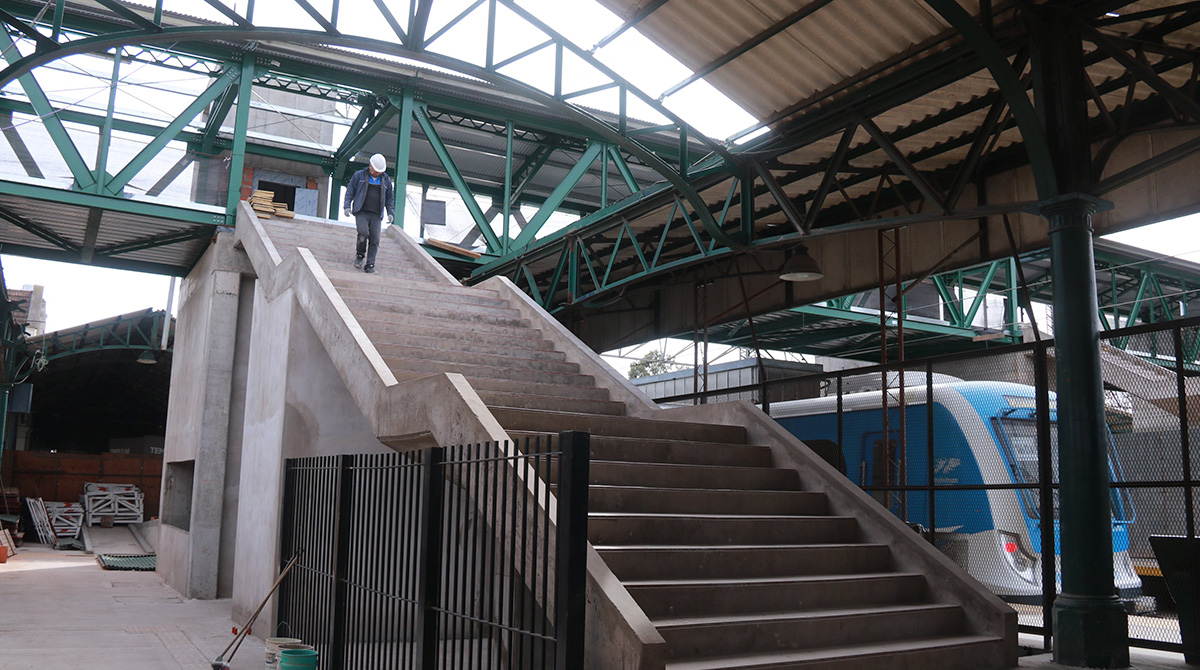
(943, 60)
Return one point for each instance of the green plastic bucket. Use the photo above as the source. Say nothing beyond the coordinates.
(294, 659)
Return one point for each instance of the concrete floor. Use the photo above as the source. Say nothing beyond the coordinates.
(60, 611)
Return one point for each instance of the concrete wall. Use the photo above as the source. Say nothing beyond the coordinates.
(296, 405)
(198, 414)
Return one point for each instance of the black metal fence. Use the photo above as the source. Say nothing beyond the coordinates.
(444, 558)
(975, 471)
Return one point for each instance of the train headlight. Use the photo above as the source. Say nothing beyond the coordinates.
(1021, 562)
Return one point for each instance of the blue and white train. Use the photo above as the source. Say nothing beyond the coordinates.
(983, 433)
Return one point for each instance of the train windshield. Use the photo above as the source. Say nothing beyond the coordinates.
(1020, 439)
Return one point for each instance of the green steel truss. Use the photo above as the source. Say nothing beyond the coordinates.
(1134, 287)
(657, 201)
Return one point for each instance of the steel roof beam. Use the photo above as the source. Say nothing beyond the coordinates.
(229, 13)
(637, 18)
(835, 162)
(1143, 72)
(220, 86)
(155, 241)
(729, 56)
(1033, 137)
(29, 31)
(49, 117)
(24, 156)
(133, 206)
(460, 183)
(901, 161)
(38, 230)
(124, 12)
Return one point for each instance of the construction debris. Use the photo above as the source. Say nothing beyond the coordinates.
(118, 503)
(66, 518)
(41, 520)
(139, 562)
(264, 206)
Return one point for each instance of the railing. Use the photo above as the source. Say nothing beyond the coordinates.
(1153, 414)
(439, 559)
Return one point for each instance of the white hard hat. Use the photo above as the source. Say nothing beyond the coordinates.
(378, 163)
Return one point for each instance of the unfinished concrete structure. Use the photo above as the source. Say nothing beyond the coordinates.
(302, 356)
(954, 132)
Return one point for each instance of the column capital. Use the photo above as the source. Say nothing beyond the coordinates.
(1069, 203)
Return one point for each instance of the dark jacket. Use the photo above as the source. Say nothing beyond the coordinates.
(356, 192)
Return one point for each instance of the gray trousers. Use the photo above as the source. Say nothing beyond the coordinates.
(368, 235)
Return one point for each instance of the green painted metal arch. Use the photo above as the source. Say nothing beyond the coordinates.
(606, 131)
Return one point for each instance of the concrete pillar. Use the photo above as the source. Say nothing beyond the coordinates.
(198, 426)
(257, 554)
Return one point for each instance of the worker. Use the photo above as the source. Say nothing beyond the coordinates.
(368, 195)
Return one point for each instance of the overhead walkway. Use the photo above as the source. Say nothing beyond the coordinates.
(717, 540)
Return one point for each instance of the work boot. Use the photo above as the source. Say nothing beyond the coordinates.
(369, 269)
(358, 261)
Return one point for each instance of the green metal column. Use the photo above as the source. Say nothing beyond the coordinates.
(238, 154)
(1090, 625)
(403, 145)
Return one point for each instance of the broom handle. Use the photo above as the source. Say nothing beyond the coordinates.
(242, 632)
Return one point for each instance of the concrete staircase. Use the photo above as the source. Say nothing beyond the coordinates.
(736, 560)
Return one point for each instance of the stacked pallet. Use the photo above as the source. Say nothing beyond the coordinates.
(66, 518)
(123, 503)
(264, 205)
(41, 520)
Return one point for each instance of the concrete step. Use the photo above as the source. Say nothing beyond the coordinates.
(689, 637)
(543, 362)
(607, 498)
(509, 373)
(386, 325)
(669, 476)
(464, 314)
(614, 528)
(424, 292)
(527, 401)
(553, 422)
(608, 448)
(400, 321)
(547, 353)
(545, 387)
(653, 562)
(343, 273)
(659, 599)
(957, 652)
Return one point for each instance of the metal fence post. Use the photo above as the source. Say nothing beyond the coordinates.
(341, 558)
(1185, 436)
(1045, 493)
(570, 545)
(430, 557)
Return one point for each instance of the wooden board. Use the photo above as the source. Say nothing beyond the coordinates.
(452, 248)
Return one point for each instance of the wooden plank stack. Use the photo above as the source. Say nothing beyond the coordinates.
(123, 502)
(264, 205)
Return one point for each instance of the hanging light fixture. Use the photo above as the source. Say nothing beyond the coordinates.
(801, 267)
(147, 358)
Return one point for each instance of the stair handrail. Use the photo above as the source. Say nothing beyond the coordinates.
(637, 403)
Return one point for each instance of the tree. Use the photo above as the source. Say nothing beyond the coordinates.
(653, 363)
